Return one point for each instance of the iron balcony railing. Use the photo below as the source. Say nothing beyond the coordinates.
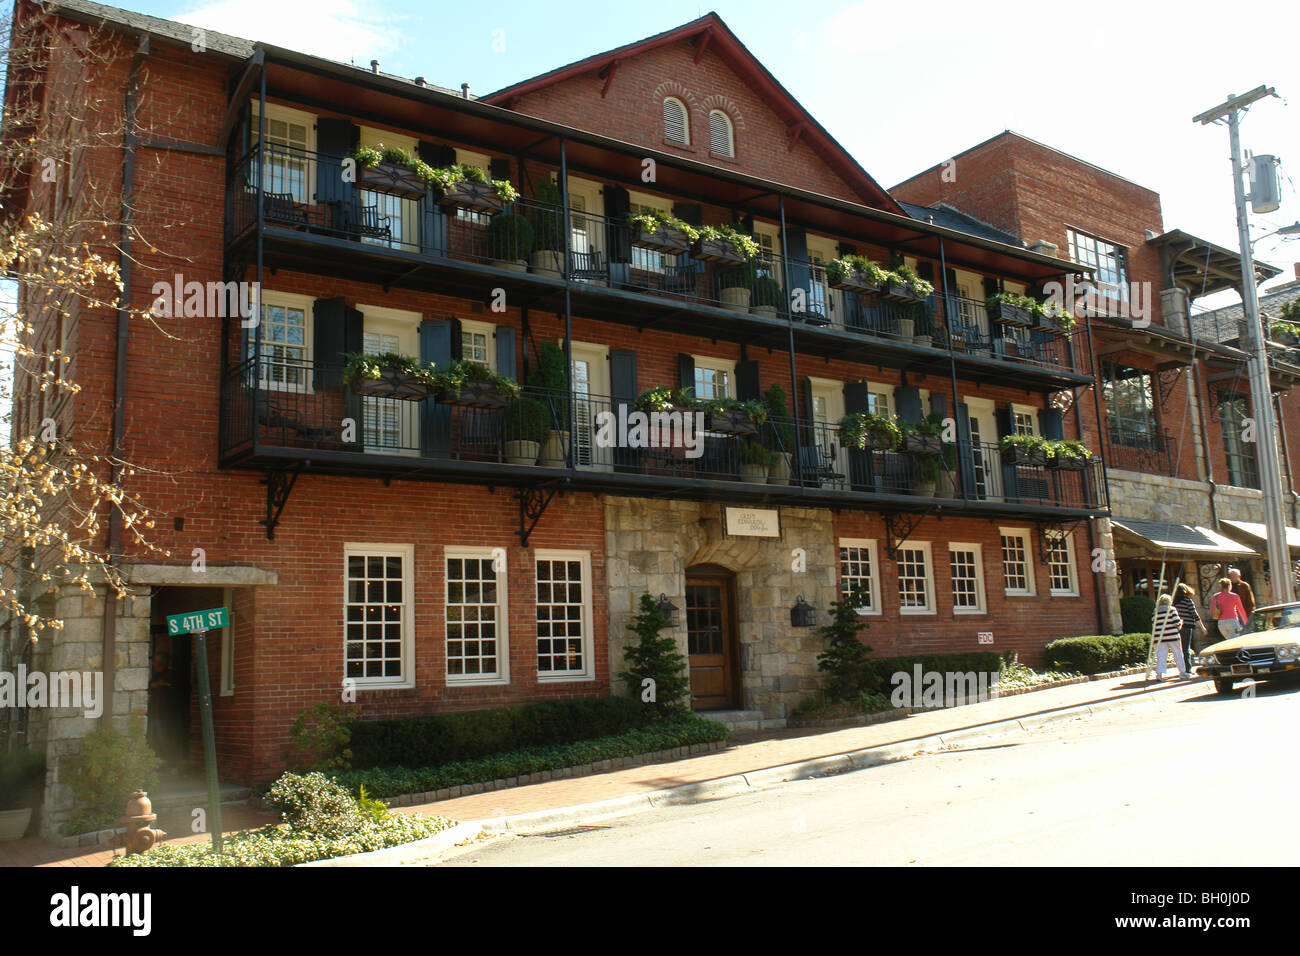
(286, 404)
(1149, 451)
(304, 193)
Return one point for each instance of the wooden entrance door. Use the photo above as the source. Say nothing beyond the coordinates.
(711, 639)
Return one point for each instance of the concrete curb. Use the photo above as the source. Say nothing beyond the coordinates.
(407, 853)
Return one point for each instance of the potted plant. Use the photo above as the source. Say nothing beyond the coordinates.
(868, 431)
(660, 232)
(548, 228)
(929, 469)
(1023, 450)
(1055, 318)
(1011, 308)
(766, 297)
(550, 381)
(904, 285)
(467, 187)
(390, 375)
(524, 428)
(389, 169)
(474, 385)
(736, 284)
(947, 478)
(755, 462)
(510, 241)
(857, 274)
(1286, 332)
(22, 779)
(779, 433)
(1068, 455)
(723, 244)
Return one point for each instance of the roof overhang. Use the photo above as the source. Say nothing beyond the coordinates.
(1200, 267)
(1255, 531)
(1181, 540)
(1167, 346)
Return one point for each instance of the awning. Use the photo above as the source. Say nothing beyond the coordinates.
(1184, 540)
(1253, 529)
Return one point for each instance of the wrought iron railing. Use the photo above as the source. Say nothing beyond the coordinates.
(1150, 452)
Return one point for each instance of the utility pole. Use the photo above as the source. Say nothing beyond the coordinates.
(1261, 395)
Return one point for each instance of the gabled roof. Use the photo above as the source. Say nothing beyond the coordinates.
(942, 214)
(1220, 325)
(712, 34)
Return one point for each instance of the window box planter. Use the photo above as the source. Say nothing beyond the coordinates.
(899, 292)
(1009, 314)
(1055, 324)
(1068, 462)
(717, 250)
(665, 238)
(734, 421)
(393, 383)
(855, 281)
(390, 178)
(923, 444)
(474, 394)
(1023, 455)
(467, 194)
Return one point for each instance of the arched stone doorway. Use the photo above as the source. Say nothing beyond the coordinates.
(712, 637)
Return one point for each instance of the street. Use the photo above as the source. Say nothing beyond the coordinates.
(1193, 779)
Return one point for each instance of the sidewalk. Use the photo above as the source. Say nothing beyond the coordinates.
(749, 754)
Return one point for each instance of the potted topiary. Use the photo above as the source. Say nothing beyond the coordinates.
(766, 297)
(1023, 450)
(524, 427)
(755, 462)
(1068, 455)
(474, 385)
(548, 228)
(510, 241)
(736, 284)
(550, 381)
(660, 232)
(22, 780)
(389, 375)
(868, 431)
(723, 244)
(1011, 308)
(929, 469)
(779, 433)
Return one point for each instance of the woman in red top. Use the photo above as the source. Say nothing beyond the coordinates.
(1226, 608)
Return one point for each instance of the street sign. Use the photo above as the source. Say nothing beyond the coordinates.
(192, 621)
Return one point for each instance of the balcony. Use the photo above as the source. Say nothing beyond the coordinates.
(288, 416)
(312, 222)
(1149, 452)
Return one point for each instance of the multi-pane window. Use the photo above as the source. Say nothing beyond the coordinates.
(914, 593)
(1060, 564)
(647, 260)
(1243, 466)
(382, 417)
(285, 351)
(1110, 261)
(878, 403)
(287, 168)
(858, 571)
(1130, 407)
(475, 616)
(1015, 562)
(377, 613)
(721, 141)
(712, 383)
(1023, 422)
(676, 128)
(563, 613)
(967, 579)
(475, 347)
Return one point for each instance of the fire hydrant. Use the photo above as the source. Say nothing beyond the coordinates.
(139, 835)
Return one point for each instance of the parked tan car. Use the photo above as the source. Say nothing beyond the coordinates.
(1270, 645)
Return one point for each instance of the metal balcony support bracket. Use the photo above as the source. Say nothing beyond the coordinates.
(279, 483)
(1049, 530)
(1168, 376)
(898, 528)
(533, 502)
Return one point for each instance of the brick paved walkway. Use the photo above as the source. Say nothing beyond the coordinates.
(747, 753)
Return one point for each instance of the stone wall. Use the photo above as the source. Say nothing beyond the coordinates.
(651, 544)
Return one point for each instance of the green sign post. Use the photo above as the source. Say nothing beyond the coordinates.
(199, 623)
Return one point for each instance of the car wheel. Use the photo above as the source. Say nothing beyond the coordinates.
(1223, 685)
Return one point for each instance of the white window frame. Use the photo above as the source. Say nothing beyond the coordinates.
(1028, 410)
(1067, 540)
(286, 300)
(718, 365)
(228, 646)
(502, 675)
(981, 602)
(731, 135)
(488, 330)
(686, 122)
(287, 114)
(1027, 540)
(588, 671)
(407, 553)
(868, 545)
(924, 548)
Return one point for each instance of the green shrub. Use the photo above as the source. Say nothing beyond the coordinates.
(1098, 653)
(525, 419)
(845, 659)
(1136, 612)
(509, 236)
(444, 738)
(313, 803)
(108, 766)
(767, 291)
(322, 731)
(662, 735)
(656, 673)
(974, 661)
(22, 779)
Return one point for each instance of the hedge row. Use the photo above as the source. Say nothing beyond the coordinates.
(1097, 653)
(975, 661)
(665, 735)
(450, 738)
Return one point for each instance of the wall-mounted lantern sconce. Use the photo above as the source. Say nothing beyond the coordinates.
(668, 609)
(803, 614)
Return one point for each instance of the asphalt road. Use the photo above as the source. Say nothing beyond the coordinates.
(1125, 788)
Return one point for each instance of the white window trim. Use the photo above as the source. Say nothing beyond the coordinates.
(718, 364)
(588, 672)
(1029, 410)
(489, 331)
(407, 553)
(1068, 540)
(1024, 534)
(289, 300)
(930, 606)
(981, 602)
(228, 646)
(868, 545)
(503, 618)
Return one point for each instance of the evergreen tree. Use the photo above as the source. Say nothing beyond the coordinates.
(657, 672)
(845, 658)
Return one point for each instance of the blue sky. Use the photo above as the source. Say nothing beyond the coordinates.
(901, 85)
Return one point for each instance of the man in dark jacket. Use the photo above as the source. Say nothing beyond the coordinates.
(1243, 591)
(1185, 605)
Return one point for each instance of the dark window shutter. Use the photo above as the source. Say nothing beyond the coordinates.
(506, 362)
(854, 314)
(805, 400)
(1002, 417)
(907, 400)
(623, 393)
(1051, 424)
(856, 398)
(796, 250)
(747, 224)
(336, 331)
(499, 168)
(436, 154)
(847, 249)
(991, 286)
(690, 213)
(439, 341)
(617, 206)
(685, 371)
(939, 404)
(336, 139)
(926, 271)
(748, 388)
(965, 451)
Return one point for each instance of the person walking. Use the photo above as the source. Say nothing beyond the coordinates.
(1227, 610)
(1243, 590)
(1185, 605)
(1166, 633)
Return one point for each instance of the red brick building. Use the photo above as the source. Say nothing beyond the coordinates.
(390, 547)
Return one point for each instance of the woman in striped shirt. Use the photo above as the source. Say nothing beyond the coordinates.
(1167, 633)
